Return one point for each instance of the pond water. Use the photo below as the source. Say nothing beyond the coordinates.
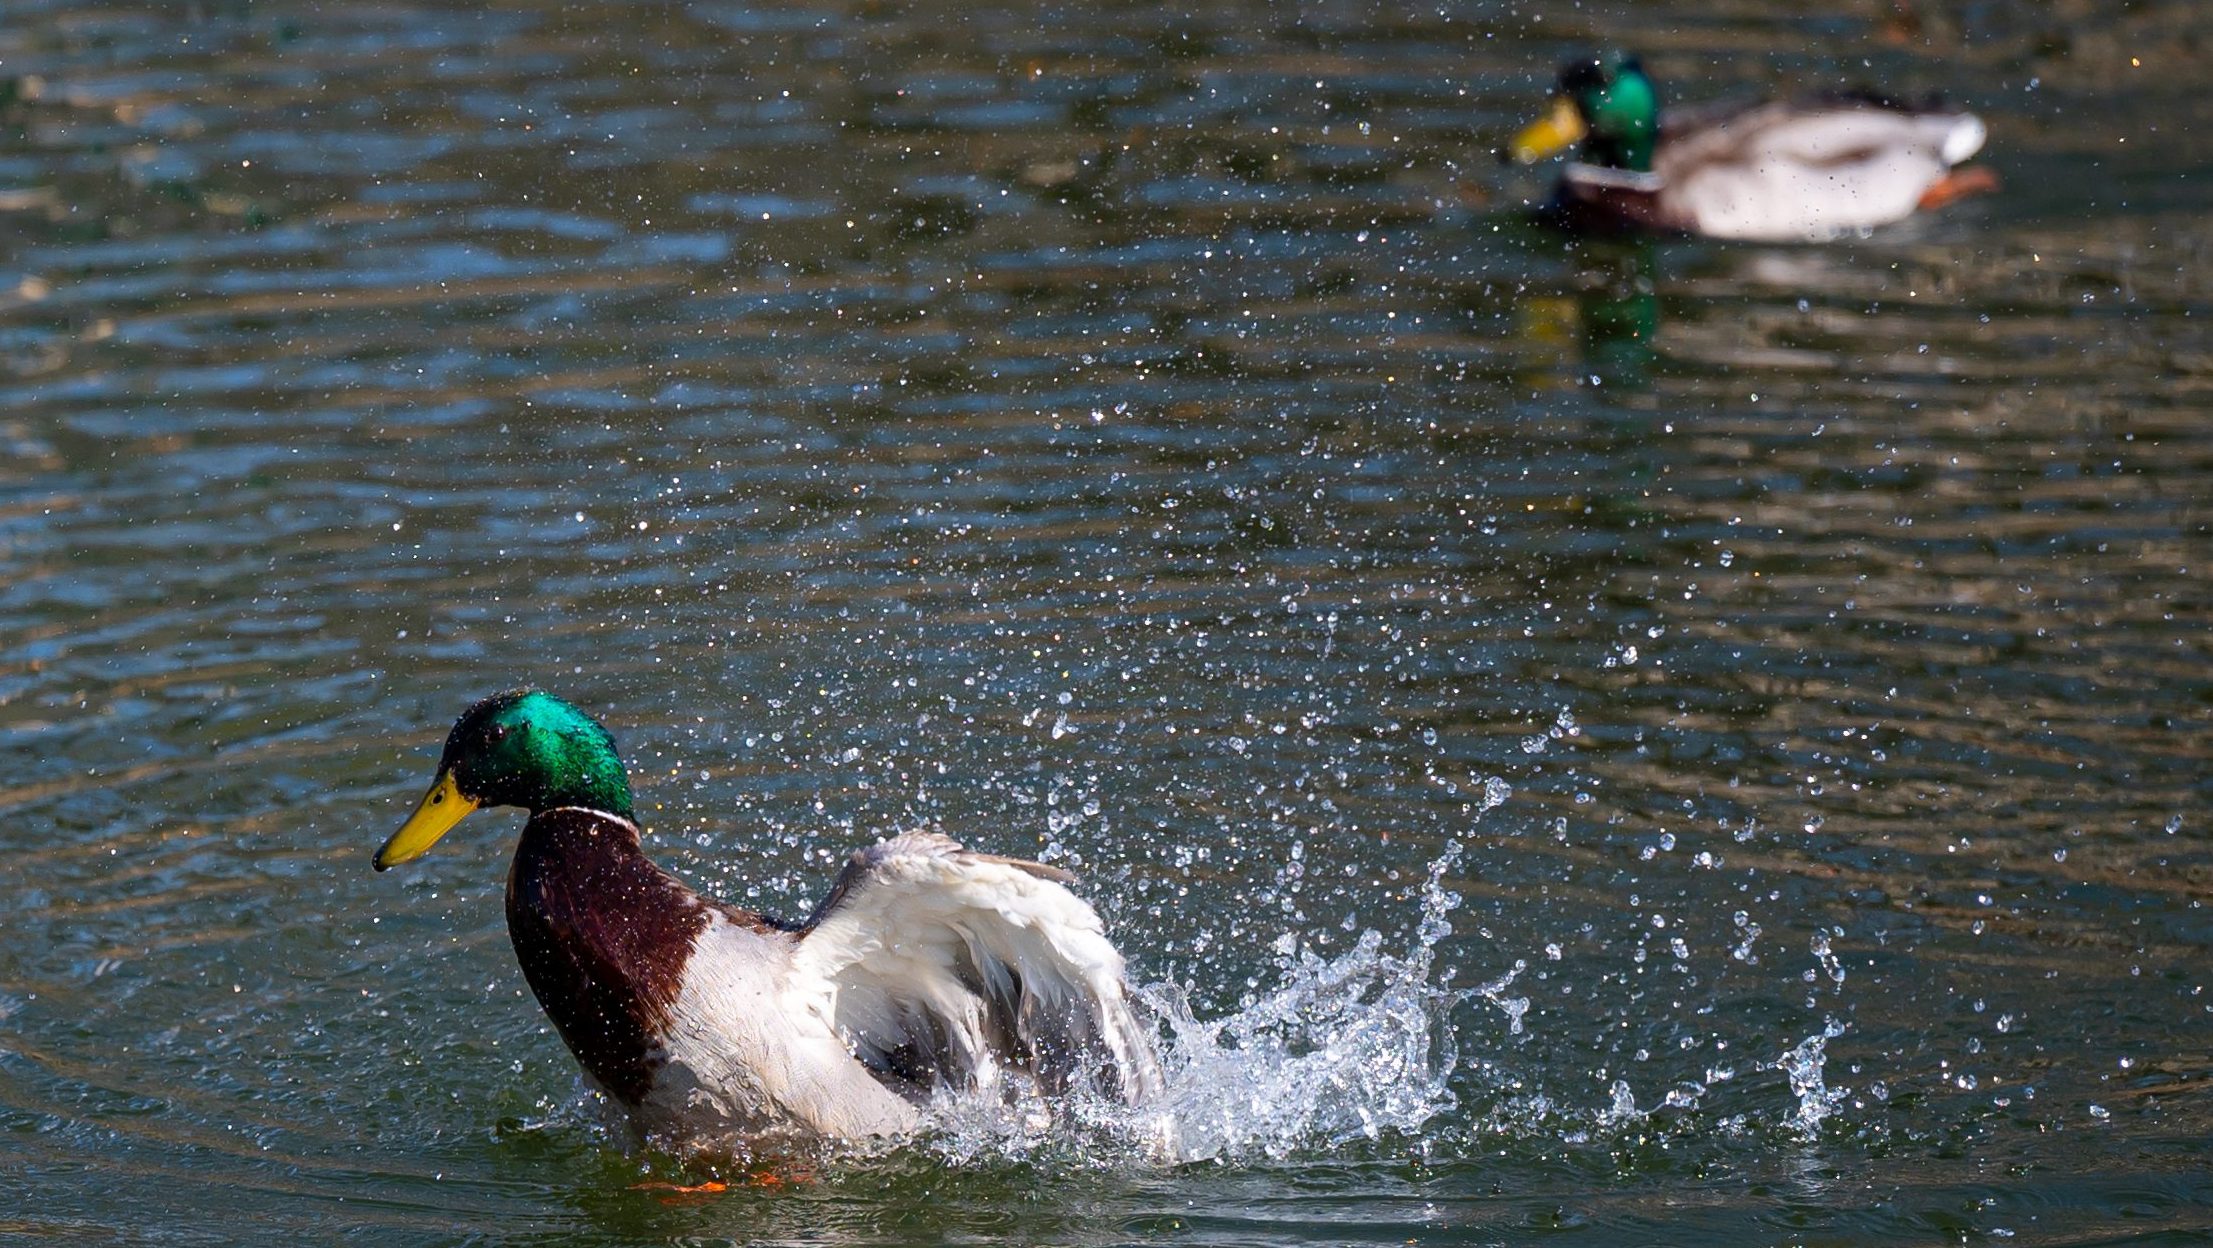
(1663, 743)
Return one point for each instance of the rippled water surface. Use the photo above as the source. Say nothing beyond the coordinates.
(1147, 437)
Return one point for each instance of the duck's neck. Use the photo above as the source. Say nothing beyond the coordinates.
(603, 936)
(1624, 119)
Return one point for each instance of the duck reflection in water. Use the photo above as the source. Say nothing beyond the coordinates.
(1610, 310)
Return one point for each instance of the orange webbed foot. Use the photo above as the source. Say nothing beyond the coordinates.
(690, 1193)
(1959, 184)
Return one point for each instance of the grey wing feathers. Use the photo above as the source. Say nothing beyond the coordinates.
(944, 966)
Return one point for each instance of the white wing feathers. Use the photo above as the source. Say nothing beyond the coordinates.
(943, 966)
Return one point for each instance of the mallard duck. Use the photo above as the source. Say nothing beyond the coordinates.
(1803, 169)
(928, 966)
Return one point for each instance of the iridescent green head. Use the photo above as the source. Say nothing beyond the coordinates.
(525, 748)
(1612, 109)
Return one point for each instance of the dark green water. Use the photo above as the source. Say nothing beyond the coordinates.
(1145, 436)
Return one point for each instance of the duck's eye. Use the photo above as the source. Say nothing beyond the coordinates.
(499, 733)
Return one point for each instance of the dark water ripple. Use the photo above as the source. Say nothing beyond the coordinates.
(1142, 435)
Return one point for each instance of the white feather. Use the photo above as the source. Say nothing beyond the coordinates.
(972, 962)
(745, 1055)
(1965, 138)
(928, 966)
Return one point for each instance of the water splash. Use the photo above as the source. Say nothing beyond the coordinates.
(1830, 963)
(1347, 1048)
(1515, 1008)
(1802, 1065)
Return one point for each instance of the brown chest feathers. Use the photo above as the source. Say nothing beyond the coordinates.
(603, 936)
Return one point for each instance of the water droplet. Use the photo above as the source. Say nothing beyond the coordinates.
(1495, 792)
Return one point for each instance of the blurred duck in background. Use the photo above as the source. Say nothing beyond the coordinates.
(1804, 169)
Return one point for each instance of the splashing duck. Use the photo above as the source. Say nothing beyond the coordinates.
(928, 966)
(1804, 169)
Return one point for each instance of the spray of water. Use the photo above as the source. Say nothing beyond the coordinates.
(1803, 1065)
(1346, 1048)
(1355, 1047)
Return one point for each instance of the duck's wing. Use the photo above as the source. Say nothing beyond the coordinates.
(940, 965)
(1812, 168)
(1822, 129)
(1684, 122)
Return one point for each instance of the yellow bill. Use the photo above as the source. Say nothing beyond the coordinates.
(434, 816)
(1556, 130)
